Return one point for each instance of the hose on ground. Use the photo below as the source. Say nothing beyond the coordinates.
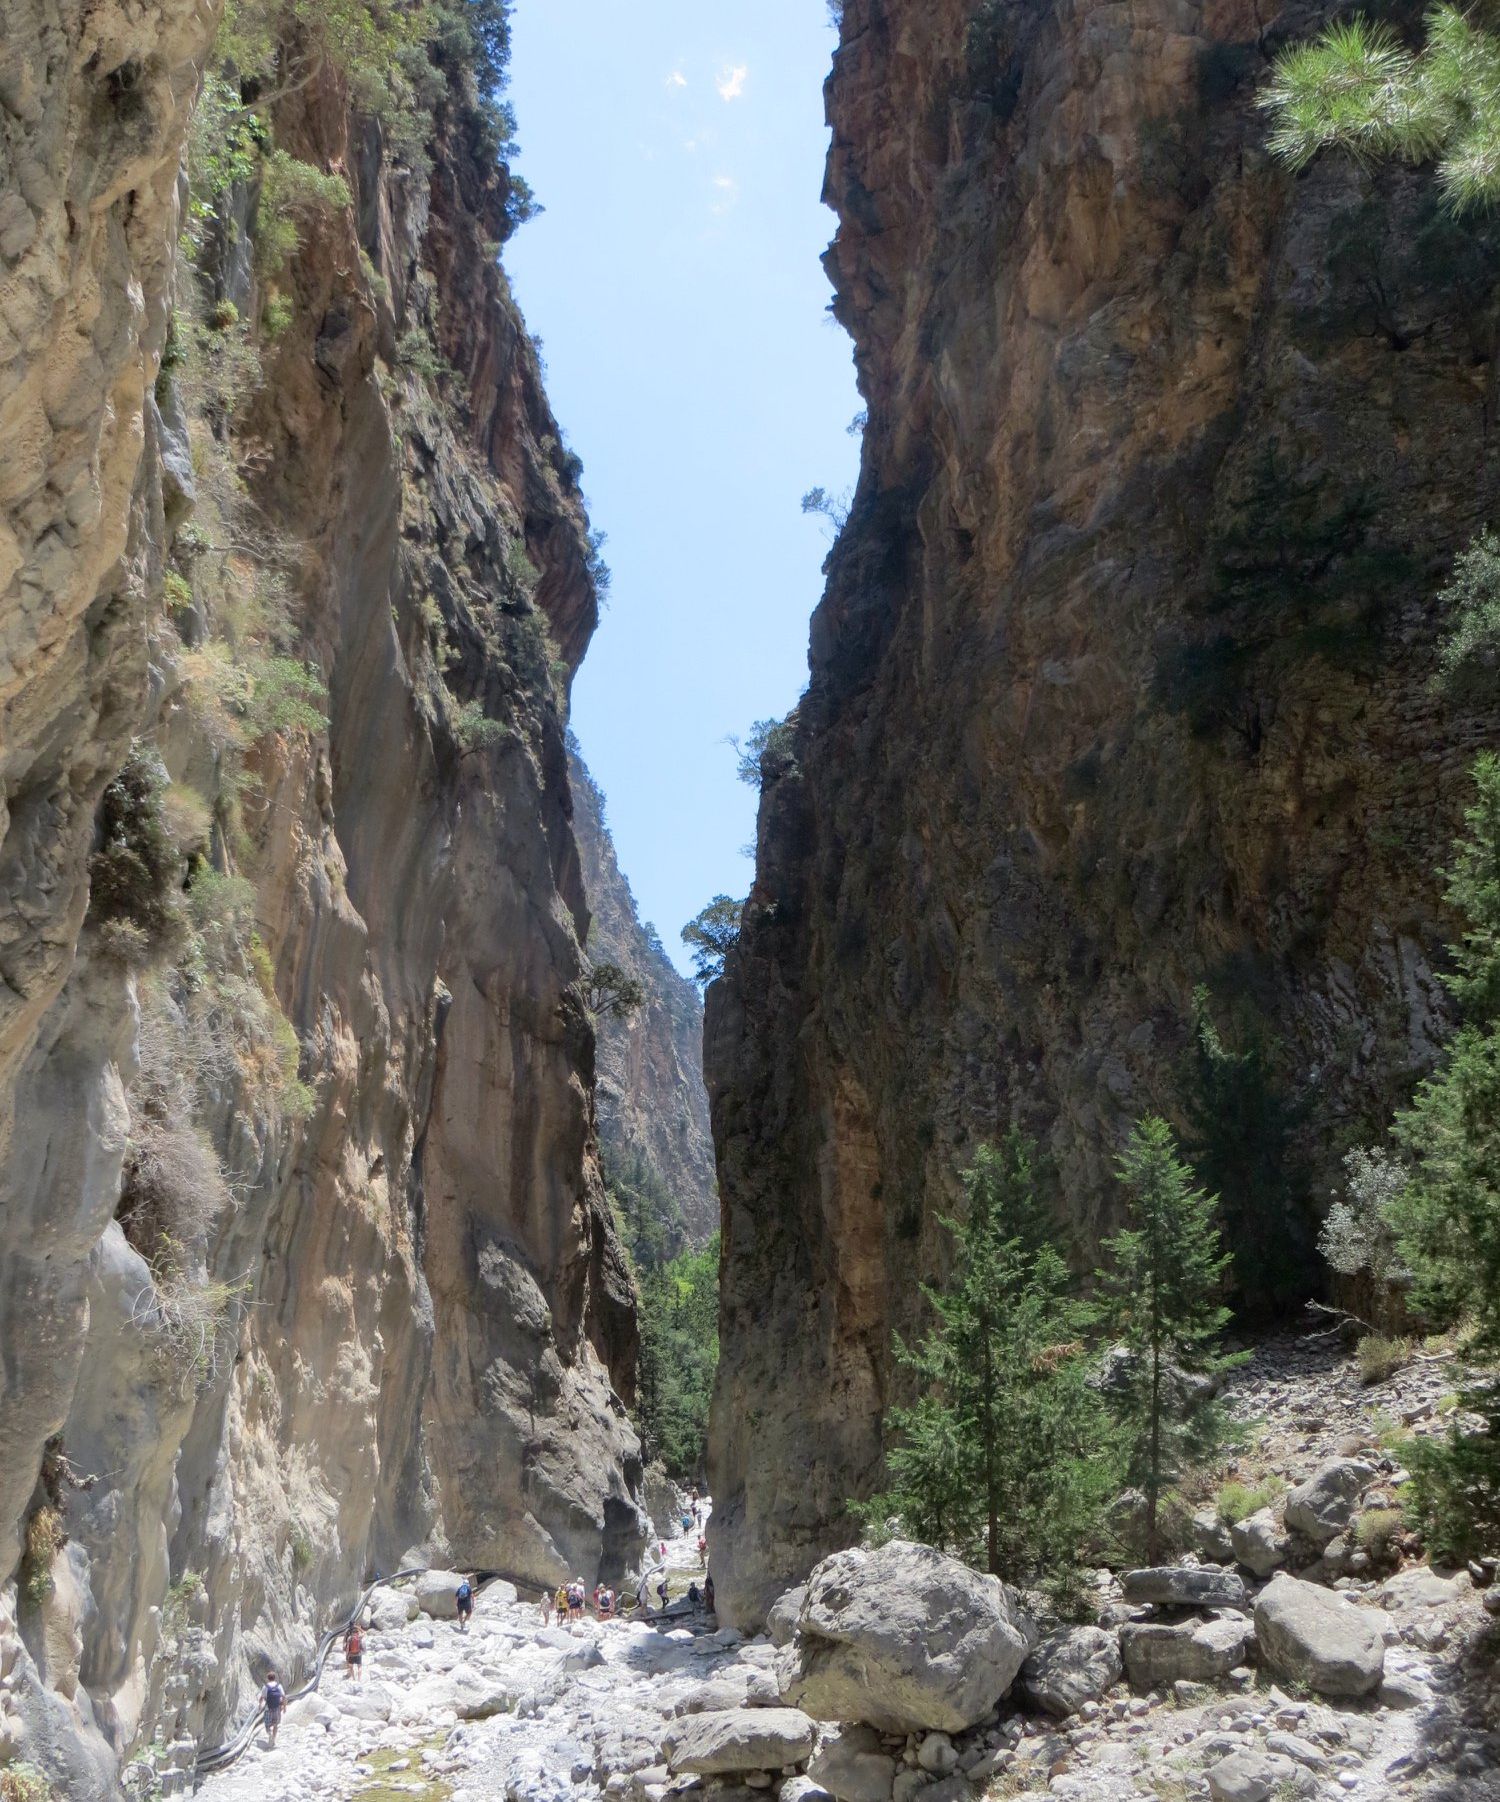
(219, 1758)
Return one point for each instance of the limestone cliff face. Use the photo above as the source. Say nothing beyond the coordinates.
(1119, 685)
(652, 1105)
(306, 1252)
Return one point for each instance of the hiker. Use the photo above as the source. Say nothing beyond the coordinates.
(708, 1593)
(275, 1700)
(661, 1589)
(549, 1602)
(354, 1654)
(465, 1601)
(693, 1595)
(604, 1603)
(703, 1551)
(687, 1520)
(560, 1600)
(575, 1602)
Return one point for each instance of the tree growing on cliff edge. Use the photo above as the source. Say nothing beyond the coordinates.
(711, 935)
(1359, 89)
(1161, 1289)
(1006, 1458)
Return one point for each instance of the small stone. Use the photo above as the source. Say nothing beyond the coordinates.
(936, 1754)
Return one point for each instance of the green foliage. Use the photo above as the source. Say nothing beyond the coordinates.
(24, 1783)
(1472, 602)
(1161, 1293)
(1381, 1357)
(1241, 1125)
(475, 730)
(768, 748)
(1378, 1531)
(1448, 1217)
(293, 196)
(285, 696)
(1358, 1236)
(523, 573)
(1237, 1501)
(416, 351)
(679, 1327)
(1358, 89)
(1454, 1493)
(299, 1542)
(1007, 1456)
(711, 935)
(133, 873)
(647, 1215)
(611, 992)
(44, 1537)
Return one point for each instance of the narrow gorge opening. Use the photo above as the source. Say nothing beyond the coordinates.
(998, 1293)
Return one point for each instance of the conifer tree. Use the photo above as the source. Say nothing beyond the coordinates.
(1447, 1219)
(1166, 1274)
(1007, 1457)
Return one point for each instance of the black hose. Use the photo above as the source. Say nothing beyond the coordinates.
(217, 1758)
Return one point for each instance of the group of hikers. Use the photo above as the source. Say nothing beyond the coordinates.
(568, 1602)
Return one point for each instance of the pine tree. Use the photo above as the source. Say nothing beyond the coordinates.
(1166, 1273)
(1447, 1219)
(1007, 1457)
(1358, 89)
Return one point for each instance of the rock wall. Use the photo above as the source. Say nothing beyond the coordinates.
(1119, 686)
(652, 1105)
(328, 562)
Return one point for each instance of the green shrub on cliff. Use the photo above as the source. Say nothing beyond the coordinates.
(1007, 1457)
(1359, 89)
(134, 871)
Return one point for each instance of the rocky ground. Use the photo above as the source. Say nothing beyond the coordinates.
(1224, 1686)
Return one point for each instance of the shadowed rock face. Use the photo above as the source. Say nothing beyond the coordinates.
(1120, 685)
(429, 1324)
(653, 1107)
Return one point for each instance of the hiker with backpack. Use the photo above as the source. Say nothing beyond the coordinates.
(274, 1697)
(465, 1600)
(575, 1602)
(354, 1654)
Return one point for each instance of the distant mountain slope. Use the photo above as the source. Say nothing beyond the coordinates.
(653, 1108)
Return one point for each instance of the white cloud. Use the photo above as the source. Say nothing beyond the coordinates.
(726, 193)
(677, 79)
(731, 84)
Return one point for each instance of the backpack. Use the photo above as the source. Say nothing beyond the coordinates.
(275, 1698)
(465, 1595)
(355, 1643)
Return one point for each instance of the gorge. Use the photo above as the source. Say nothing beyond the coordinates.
(325, 1159)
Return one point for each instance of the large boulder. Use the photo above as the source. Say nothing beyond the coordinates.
(1185, 1586)
(1322, 1507)
(1250, 1776)
(854, 1767)
(1070, 1667)
(1158, 1654)
(1315, 1636)
(903, 1638)
(739, 1739)
(1259, 1544)
(781, 1622)
(437, 1593)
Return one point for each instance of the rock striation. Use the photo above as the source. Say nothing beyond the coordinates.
(1119, 687)
(649, 1094)
(308, 1267)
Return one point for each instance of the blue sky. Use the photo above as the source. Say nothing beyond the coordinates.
(674, 282)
